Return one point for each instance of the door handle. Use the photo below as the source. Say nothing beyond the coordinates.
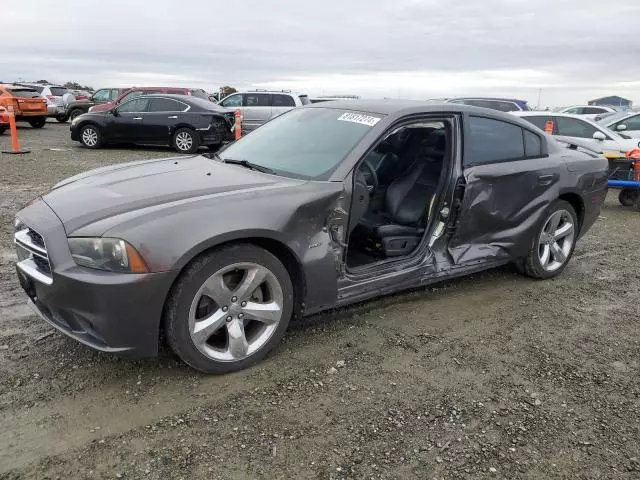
(173, 116)
(137, 118)
(545, 180)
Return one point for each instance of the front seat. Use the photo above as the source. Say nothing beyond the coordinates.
(398, 228)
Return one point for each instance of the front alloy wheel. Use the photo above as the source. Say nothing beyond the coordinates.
(553, 244)
(229, 308)
(90, 136)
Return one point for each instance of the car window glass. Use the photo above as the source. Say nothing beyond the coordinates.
(115, 93)
(58, 91)
(572, 127)
(101, 96)
(493, 141)
(538, 121)
(532, 144)
(574, 111)
(304, 99)
(24, 92)
(199, 93)
(593, 110)
(130, 95)
(164, 105)
(137, 105)
(232, 101)
(256, 100)
(282, 100)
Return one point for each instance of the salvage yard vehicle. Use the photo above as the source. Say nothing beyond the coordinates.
(183, 122)
(324, 206)
(260, 106)
(625, 123)
(581, 130)
(103, 95)
(130, 93)
(27, 104)
(587, 111)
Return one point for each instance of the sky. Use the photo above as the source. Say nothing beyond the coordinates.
(559, 51)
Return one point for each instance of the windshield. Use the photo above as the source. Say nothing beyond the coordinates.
(303, 143)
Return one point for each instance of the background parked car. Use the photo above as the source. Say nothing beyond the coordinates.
(625, 123)
(102, 95)
(53, 96)
(28, 105)
(4, 120)
(586, 132)
(260, 106)
(500, 104)
(184, 122)
(587, 111)
(137, 91)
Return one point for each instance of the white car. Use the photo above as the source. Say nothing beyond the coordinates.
(586, 111)
(626, 124)
(580, 131)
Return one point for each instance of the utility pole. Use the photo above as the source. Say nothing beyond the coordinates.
(539, 96)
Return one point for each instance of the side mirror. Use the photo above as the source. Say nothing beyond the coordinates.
(599, 136)
(621, 127)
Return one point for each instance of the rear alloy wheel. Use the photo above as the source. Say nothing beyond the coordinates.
(185, 140)
(90, 136)
(628, 197)
(229, 309)
(554, 242)
(38, 122)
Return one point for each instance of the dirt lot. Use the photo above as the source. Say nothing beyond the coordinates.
(492, 376)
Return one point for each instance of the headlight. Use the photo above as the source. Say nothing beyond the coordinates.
(110, 254)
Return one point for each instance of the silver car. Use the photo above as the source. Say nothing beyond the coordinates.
(260, 106)
(581, 131)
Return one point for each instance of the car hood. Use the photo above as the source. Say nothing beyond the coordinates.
(105, 192)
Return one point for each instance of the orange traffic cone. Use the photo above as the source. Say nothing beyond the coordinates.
(15, 144)
(237, 127)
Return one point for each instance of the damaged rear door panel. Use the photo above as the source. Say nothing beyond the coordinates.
(505, 193)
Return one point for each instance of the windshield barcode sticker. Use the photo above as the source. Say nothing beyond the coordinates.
(359, 118)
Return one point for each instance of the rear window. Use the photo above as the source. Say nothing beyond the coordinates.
(24, 92)
(58, 91)
(493, 141)
(198, 93)
(278, 100)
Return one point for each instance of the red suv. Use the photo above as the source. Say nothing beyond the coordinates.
(137, 91)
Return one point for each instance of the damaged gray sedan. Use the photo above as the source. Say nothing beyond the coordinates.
(321, 207)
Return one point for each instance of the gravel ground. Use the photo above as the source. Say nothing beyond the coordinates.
(491, 376)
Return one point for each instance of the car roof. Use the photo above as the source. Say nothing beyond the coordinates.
(545, 113)
(399, 108)
(33, 84)
(616, 117)
(13, 85)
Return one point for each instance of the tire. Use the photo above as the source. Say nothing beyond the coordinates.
(234, 340)
(2, 130)
(38, 122)
(62, 118)
(185, 140)
(75, 113)
(549, 255)
(90, 136)
(628, 197)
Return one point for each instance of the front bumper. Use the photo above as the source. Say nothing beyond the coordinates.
(111, 312)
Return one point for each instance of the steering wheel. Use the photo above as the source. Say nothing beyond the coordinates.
(372, 177)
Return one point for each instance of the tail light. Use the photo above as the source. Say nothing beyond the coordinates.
(636, 171)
